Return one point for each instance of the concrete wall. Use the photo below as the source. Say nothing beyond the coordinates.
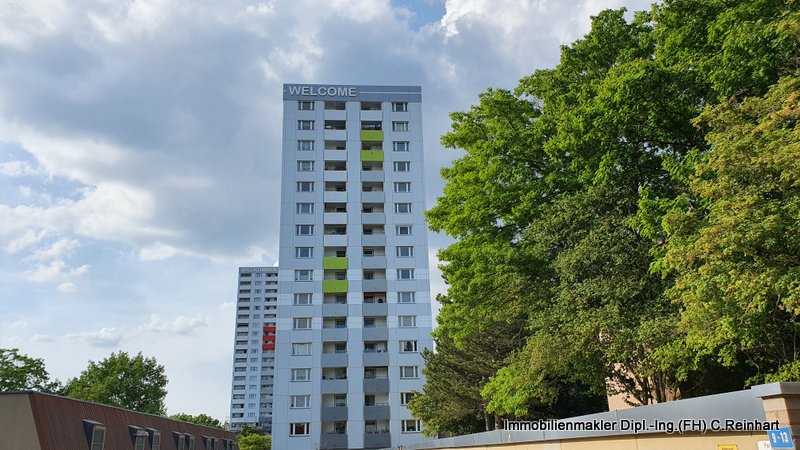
(17, 427)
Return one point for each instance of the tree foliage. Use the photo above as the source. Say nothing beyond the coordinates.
(19, 372)
(254, 442)
(136, 383)
(737, 257)
(200, 419)
(635, 208)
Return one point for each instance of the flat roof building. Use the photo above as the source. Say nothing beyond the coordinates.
(354, 307)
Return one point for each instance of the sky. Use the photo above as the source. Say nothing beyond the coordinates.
(138, 142)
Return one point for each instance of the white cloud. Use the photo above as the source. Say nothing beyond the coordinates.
(56, 269)
(157, 251)
(106, 337)
(42, 338)
(181, 325)
(67, 287)
(58, 249)
(18, 169)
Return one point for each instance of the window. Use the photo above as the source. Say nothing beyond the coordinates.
(305, 186)
(305, 166)
(402, 166)
(405, 297)
(305, 230)
(304, 275)
(298, 429)
(305, 105)
(303, 374)
(305, 145)
(305, 124)
(155, 439)
(301, 348)
(405, 274)
(410, 426)
(405, 251)
(300, 401)
(396, 126)
(406, 397)
(403, 230)
(139, 441)
(402, 208)
(98, 433)
(409, 372)
(190, 439)
(302, 323)
(302, 299)
(408, 346)
(305, 208)
(400, 146)
(304, 252)
(400, 106)
(407, 321)
(403, 186)
(180, 442)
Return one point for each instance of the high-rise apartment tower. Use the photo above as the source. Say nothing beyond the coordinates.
(254, 348)
(354, 309)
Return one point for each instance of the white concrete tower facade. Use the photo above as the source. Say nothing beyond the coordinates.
(254, 348)
(354, 307)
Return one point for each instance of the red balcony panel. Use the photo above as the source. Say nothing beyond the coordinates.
(270, 329)
(268, 347)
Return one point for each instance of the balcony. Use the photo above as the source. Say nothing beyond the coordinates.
(373, 197)
(334, 309)
(334, 334)
(334, 386)
(333, 413)
(373, 262)
(333, 440)
(374, 285)
(376, 359)
(372, 155)
(375, 334)
(375, 309)
(374, 218)
(335, 175)
(335, 218)
(372, 135)
(372, 175)
(334, 286)
(334, 197)
(377, 440)
(335, 240)
(333, 263)
(377, 412)
(334, 359)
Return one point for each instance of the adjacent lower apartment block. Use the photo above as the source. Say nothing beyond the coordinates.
(36, 421)
(354, 308)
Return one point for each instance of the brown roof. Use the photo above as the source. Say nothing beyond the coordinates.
(60, 425)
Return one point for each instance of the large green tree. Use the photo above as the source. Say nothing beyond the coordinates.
(579, 196)
(20, 372)
(736, 252)
(136, 383)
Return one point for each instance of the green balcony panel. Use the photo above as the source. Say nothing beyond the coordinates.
(371, 135)
(334, 286)
(332, 262)
(371, 155)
